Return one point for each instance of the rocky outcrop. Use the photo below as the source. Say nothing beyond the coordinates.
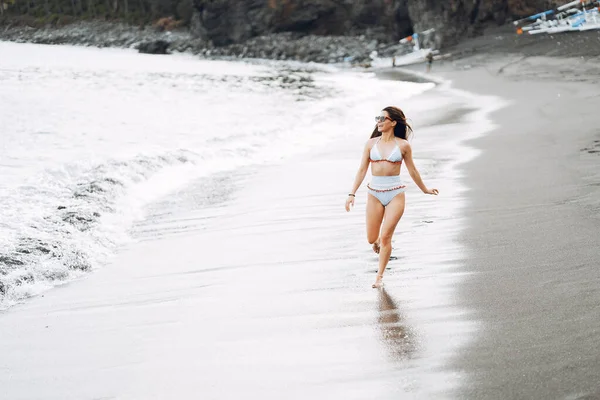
(350, 49)
(355, 50)
(153, 47)
(457, 19)
(225, 22)
(330, 31)
(229, 21)
(98, 33)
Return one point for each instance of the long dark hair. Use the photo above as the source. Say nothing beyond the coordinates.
(402, 129)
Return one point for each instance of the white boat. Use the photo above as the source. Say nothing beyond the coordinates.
(567, 18)
(417, 55)
(414, 57)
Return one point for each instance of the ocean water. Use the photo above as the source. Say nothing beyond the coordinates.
(209, 179)
(91, 139)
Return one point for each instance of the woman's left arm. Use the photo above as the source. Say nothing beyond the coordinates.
(412, 170)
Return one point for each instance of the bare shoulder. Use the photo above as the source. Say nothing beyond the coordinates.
(370, 142)
(403, 144)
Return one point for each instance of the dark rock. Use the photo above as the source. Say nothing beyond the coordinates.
(305, 30)
(153, 47)
(225, 22)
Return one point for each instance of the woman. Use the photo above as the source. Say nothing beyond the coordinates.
(386, 191)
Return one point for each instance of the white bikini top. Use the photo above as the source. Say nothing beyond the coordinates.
(394, 157)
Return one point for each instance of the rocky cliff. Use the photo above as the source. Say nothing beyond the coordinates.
(226, 22)
(325, 31)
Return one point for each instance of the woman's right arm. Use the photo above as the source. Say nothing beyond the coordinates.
(360, 175)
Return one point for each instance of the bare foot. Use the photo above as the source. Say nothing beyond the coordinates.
(378, 283)
(376, 246)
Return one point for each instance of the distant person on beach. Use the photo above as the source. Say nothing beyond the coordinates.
(429, 61)
(386, 190)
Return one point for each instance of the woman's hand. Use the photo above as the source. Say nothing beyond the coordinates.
(435, 192)
(349, 202)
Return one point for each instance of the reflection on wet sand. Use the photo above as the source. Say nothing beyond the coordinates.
(397, 337)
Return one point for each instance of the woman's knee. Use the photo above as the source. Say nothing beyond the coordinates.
(372, 238)
(386, 239)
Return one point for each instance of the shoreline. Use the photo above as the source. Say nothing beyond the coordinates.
(532, 227)
(532, 230)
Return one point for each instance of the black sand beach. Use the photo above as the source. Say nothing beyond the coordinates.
(263, 312)
(533, 236)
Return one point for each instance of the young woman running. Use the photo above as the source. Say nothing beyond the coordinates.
(386, 190)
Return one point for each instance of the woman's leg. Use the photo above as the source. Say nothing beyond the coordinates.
(393, 213)
(375, 211)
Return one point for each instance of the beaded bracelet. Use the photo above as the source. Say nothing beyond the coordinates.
(350, 194)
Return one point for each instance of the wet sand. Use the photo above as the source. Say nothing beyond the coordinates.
(533, 234)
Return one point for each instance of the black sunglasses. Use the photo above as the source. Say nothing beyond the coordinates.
(382, 118)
